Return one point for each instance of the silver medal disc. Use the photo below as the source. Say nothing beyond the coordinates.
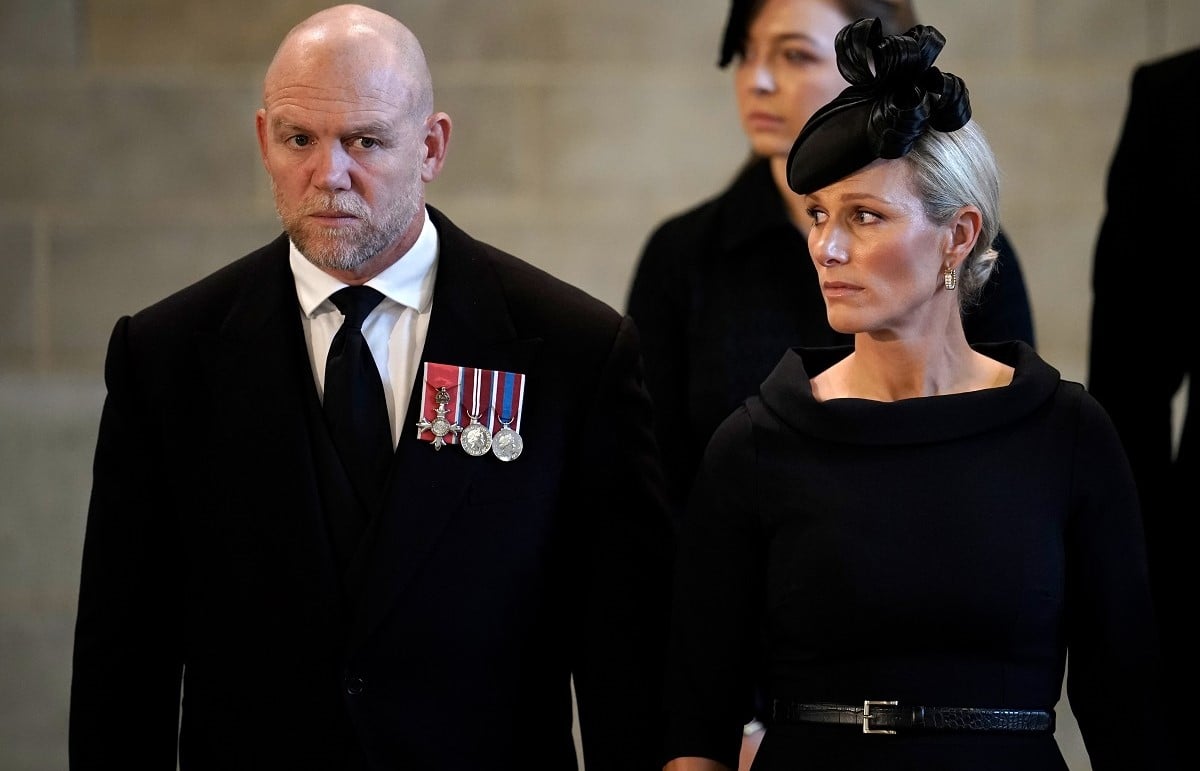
(507, 444)
(475, 439)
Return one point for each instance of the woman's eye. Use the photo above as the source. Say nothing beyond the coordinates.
(799, 56)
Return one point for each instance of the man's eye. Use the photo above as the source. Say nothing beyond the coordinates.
(367, 143)
(299, 140)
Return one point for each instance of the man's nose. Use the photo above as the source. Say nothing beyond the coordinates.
(332, 167)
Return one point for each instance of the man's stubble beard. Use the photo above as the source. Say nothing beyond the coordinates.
(346, 249)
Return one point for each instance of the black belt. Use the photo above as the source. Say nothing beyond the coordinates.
(885, 717)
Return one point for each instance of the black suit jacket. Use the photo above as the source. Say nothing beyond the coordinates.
(1144, 279)
(451, 639)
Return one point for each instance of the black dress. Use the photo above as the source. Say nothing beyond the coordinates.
(945, 551)
(721, 291)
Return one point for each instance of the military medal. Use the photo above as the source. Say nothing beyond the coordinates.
(476, 438)
(494, 410)
(439, 426)
(507, 443)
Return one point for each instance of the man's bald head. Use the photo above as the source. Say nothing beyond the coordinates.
(356, 45)
(349, 137)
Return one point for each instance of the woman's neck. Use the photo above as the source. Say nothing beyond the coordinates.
(895, 369)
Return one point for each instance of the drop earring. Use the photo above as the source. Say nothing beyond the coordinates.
(950, 279)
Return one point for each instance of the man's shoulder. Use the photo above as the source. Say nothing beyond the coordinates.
(529, 290)
(222, 287)
(1170, 71)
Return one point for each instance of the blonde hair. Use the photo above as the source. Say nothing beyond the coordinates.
(956, 169)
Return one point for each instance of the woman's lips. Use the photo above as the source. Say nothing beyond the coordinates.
(764, 121)
(839, 288)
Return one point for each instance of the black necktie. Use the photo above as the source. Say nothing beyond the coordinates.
(355, 408)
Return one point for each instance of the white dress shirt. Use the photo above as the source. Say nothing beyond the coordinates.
(394, 330)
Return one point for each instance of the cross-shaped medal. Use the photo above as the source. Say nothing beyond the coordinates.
(440, 426)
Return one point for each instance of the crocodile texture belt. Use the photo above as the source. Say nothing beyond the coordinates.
(886, 717)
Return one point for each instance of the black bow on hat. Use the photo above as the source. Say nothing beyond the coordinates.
(895, 96)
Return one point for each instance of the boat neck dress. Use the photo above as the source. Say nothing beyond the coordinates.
(721, 291)
(944, 551)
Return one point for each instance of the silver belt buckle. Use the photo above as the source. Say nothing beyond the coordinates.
(867, 729)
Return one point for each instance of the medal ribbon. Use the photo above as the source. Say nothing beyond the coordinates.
(487, 386)
(437, 376)
(476, 386)
(512, 400)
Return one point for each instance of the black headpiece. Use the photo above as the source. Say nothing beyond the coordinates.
(895, 96)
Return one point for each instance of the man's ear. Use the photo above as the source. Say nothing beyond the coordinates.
(260, 126)
(437, 141)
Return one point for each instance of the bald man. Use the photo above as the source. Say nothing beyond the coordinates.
(314, 614)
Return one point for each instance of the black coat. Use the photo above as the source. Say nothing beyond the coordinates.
(451, 641)
(1144, 277)
(721, 291)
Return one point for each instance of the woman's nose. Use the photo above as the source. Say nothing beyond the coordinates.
(762, 77)
(827, 246)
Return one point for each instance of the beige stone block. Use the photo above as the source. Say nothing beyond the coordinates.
(155, 259)
(633, 31)
(36, 642)
(180, 35)
(1181, 25)
(120, 143)
(496, 136)
(658, 133)
(18, 293)
(55, 154)
(47, 436)
(1053, 135)
(1056, 257)
(975, 32)
(481, 30)
(558, 32)
(1077, 34)
(39, 33)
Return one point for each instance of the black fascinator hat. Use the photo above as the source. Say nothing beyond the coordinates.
(895, 96)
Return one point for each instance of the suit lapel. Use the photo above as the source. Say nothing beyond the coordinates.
(261, 383)
(470, 326)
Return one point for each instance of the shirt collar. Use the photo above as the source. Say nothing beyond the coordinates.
(408, 281)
